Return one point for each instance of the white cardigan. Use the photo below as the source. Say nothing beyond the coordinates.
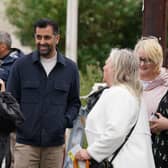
(108, 124)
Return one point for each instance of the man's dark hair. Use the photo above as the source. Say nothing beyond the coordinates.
(43, 23)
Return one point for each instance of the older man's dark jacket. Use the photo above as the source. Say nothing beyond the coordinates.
(7, 62)
(49, 103)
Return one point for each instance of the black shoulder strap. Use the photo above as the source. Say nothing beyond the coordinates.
(117, 151)
(126, 139)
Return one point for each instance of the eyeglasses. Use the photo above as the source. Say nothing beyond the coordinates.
(145, 61)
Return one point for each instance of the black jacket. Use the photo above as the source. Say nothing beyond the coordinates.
(49, 103)
(7, 62)
(10, 115)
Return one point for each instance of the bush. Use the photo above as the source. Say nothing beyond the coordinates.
(92, 75)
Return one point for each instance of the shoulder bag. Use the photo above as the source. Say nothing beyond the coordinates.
(108, 163)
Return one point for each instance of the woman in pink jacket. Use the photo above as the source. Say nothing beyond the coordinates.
(155, 86)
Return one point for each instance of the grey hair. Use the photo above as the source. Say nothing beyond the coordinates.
(126, 68)
(5, 38)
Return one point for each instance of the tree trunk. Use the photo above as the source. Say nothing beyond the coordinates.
(155, 22)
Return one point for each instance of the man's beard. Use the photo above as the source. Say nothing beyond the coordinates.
(45, 52)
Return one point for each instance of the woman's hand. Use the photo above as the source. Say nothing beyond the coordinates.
(82, 155)
(159, 124)
(2, 85)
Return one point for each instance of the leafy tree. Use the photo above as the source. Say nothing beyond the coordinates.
(107, 24)
(24, 13)
(93, 74)
(103, 24)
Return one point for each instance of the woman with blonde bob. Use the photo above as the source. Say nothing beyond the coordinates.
(155, 93)
(115, 114)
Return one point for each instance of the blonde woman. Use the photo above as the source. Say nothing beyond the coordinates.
(155, 85)
(115, 113)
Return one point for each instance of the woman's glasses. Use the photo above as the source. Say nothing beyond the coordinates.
(145, 61)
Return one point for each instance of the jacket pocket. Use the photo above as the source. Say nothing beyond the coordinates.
(30, 92)
(60, 93)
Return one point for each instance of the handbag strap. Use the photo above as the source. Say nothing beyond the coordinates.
(126, 139)
(118, 150)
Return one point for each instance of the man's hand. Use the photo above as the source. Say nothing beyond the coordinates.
(2, 85)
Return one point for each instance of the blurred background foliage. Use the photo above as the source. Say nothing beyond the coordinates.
(92, 75)
(102, 25)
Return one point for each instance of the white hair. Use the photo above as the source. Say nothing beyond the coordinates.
(126, 68)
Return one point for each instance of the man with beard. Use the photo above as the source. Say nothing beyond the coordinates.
(46, 85)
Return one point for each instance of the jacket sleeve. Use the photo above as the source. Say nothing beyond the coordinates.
(4, 73)
(13, 83)
(120, 116)
(73, 100)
